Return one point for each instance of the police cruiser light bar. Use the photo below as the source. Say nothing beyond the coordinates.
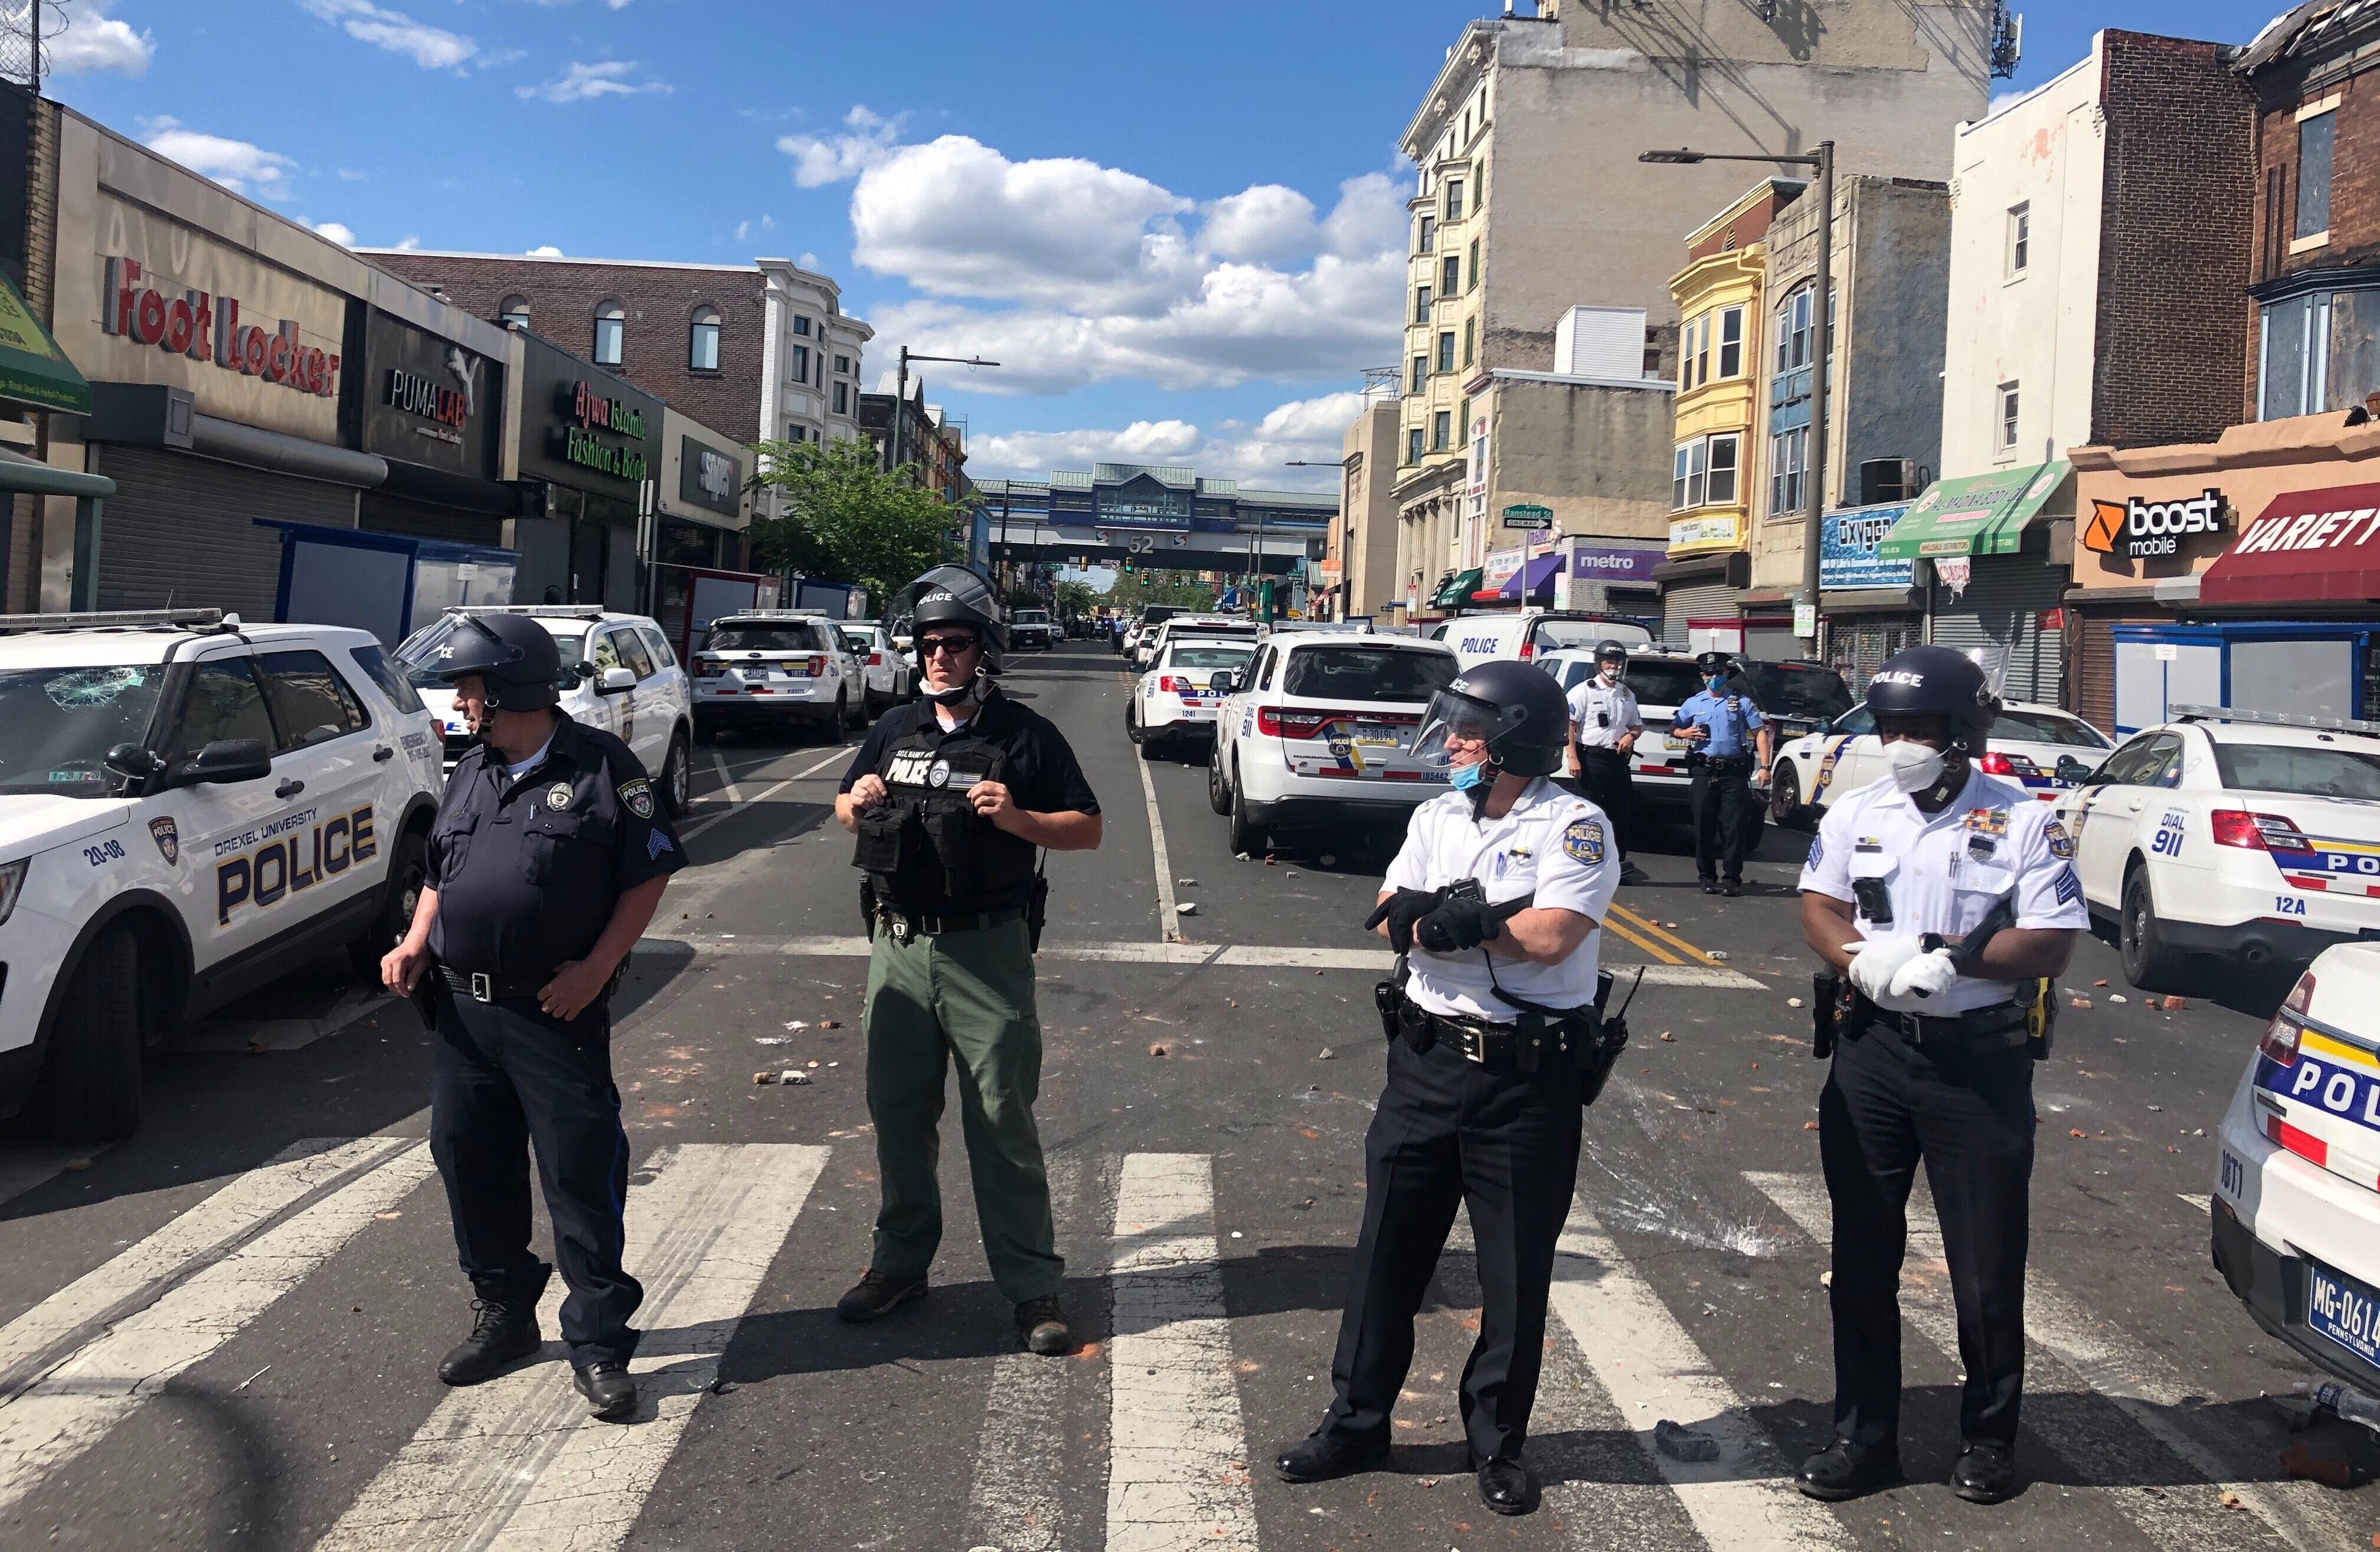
(773, 614)
(2275, 719)
(178, 619)
(532, 611)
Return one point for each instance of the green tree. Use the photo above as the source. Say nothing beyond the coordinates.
(847, 520)
(1136, 589)
(1076, 598)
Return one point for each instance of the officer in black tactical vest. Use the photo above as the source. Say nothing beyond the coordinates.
(951, 799)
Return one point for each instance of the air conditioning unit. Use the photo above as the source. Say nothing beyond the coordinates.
(1882, 481)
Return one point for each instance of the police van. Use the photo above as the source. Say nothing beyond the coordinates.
(189, 807)
(1522, 633)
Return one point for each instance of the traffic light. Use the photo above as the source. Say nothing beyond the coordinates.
(1127, 565)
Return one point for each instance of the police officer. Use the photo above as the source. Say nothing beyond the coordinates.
(548, 858)
(1498, 894)
(1605, 724)
(950, 797)
(1722, 727)
(1945, 896)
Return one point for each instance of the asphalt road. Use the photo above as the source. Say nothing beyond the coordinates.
(221, 1333)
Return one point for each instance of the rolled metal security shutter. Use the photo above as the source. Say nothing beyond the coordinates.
(2001, 611)
(1699, 601)
(180, 530)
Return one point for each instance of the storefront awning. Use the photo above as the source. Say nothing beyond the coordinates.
(1534, 580)
(1458, 589)
(2309, 547)
(1978, 514)
(33, 370)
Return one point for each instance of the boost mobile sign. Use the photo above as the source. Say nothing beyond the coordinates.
(2141, 529)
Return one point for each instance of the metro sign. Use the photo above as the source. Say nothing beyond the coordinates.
(205, 327)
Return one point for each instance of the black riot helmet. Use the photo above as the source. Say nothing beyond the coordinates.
(1517, 709)
(512, 653)
(1936, 682)
(951, 595)
(1608, 650)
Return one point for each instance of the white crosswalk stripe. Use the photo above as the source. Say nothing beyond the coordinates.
(516, 1465)
(1654, 1370)
(2182, 1514)
(150, 1336)
(1178, 1472)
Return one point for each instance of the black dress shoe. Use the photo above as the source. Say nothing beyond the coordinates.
(1732, 888)
(1843, 1470)
(1042, 1326)
(1326, 1456)
(876, 1295)
(1631, 874)
(505, 1333)
(1710, 886)
(1985, 1473)
(1507, 1487)
(610, 1390)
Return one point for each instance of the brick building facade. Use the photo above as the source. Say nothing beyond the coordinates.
(661, 307)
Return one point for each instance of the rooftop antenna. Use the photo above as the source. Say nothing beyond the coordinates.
(2008, 39)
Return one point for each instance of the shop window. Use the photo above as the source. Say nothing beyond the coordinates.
(513, 314)
(702, 340)
(610, 334)
(2314, 138)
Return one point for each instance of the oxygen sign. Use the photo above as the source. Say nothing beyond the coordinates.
(2144, 530)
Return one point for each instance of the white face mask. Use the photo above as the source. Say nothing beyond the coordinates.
(1913, 766)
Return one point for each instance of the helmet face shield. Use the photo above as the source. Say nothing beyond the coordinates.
(1454, 717)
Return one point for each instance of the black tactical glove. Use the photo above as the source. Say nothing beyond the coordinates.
(1401, 910)
(1458, 925)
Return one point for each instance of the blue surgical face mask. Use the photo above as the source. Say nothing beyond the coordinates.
(1465, 777)
(1715, 682)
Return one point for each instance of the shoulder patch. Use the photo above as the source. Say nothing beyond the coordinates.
(1582, 840)
(1817, 852)
(637, 794)
(2070, 888)
(2060, 843)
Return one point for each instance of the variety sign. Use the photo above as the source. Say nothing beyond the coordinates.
(2144, 530)
(206, 327)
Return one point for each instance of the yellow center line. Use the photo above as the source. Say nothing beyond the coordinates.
(1653, 930)
(1661, 954)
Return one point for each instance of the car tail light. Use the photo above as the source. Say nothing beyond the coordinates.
(2280, 1038)
(1172, 686)
(2256, 832)
(2305, 1144)
(1528, 650)
(1995, 764)
(1276, 721)
(818, 667)
(876, 660)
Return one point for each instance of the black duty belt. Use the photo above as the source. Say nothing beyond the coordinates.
(1486, 1044)
(905, 924)
(493, 988)
(1722, 763)
(1980, 1029)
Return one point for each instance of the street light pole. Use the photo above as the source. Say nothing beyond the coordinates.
(1347, 544)
(1813, 520)
(901, 397)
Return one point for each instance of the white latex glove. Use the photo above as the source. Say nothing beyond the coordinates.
(1926, 975)
(1876, 961)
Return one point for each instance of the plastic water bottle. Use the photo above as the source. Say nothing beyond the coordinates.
(2345, 1400)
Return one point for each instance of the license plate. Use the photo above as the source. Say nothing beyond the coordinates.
(2344, 1309)
(1387, 735)
(1197, 713)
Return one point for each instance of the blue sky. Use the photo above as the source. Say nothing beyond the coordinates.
(1180, 226)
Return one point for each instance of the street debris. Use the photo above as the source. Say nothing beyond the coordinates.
(2174, 1004)
(791, 1076)
(829, 1023)
(2231, 1498)
(1827, 1278)
(1666, 1036)
(1157, 1050)
(1809, 1126)
(1681, 1443)
(2297, 1412)
(2076, 1132)
(1325, 1054)
(2098, 983)
(1187, 908)
(796, 1024)
(772, 1039)
(1792, 1001)
(1187, 883)
(2300, 1462)
(1718, 955)
(2115, 996)
(2077, 1001)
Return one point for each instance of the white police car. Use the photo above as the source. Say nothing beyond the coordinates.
(1319, 730)
(2297, 1189)
(618, 674)
(1176, 700)
(1522, 633)
(2044, 750)
(189, 807)
(2250, 836)
(890, 673)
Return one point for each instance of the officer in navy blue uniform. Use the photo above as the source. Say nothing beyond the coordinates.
(1723, 726)
(547, 861)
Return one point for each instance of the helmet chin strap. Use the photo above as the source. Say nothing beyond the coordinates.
(1485, 790)
(1954, 777)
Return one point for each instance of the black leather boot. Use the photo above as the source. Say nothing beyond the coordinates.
(1844, 1471)
(505, 1333)
(1326, 1456)
(610, 1390)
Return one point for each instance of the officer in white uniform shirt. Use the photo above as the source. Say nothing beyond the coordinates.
(1497, 1043)
(1945, 898)
(1605, 724)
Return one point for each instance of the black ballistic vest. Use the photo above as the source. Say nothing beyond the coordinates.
(925, 848)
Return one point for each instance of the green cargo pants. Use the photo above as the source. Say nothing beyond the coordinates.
(968, 994)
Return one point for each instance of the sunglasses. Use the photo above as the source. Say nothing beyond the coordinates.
(952, 645)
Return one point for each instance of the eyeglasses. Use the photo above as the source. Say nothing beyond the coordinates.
(953, 645)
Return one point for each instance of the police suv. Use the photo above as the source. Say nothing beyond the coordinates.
(2297, 1188)
(1522, 634)
(1176, 700)
(618, 674)
(780, 666)
(2251, 836)
(2041, 749)
(189, 807)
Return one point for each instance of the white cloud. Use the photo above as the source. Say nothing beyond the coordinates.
(408, 243)
(338, 232)
(237, 166)
(582, 82)
(432, 48)
(808, 262)
(545, 250)
(821, 160)
(87, 39)
(1265, 221)
(1307, 429)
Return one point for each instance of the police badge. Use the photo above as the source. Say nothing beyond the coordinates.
(557, 796)
(637, 794)
(169, 840)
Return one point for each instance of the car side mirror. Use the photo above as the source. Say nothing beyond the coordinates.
(134, 761)
(615, 681)
(225, 761)
(2073, 771)
(1225, 681)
